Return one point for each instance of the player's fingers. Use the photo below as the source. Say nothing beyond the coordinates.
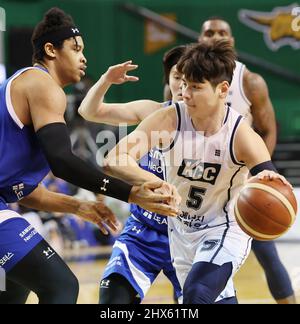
(176, 195)
(125, 63)
(102, 228)
(163, 209)
(284, 181)
(156, 197)
(104, 212)
(114, 228)
(111, 225)
(131, 67)
(153, 184)
(131, 78)
(263, 175)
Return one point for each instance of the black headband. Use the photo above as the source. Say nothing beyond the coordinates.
(56, 36)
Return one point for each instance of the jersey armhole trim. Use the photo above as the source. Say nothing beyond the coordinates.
(9, 104)
(10, 107)
(231, 148)
(227, 115)
(178, 114)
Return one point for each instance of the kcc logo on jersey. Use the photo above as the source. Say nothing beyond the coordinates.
(280, 27)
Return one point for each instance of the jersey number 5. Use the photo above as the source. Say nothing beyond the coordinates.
(195, 197)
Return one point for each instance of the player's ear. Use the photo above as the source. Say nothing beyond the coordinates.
(223, 88)
(50, 50)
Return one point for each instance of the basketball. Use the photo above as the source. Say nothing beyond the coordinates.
(265, 209)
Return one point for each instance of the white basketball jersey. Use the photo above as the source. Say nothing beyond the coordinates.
(236, 98)
(207, 177)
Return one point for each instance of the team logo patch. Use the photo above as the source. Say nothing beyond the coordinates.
(199, 171)
(210, 245)
(18, 190)
(217, 152)
(281, 26)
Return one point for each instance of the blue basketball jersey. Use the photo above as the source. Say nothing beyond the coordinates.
(152, 162)
(22, 163)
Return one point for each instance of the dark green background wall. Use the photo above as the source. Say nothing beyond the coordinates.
(113, 35)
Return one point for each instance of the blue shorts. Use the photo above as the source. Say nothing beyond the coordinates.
(140, 254)
(17, 239)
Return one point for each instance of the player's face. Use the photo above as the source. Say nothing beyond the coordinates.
(202, 99)
(175, 83)
(71, 63)
(216, 29)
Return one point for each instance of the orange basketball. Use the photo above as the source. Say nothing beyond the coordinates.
(265, 209)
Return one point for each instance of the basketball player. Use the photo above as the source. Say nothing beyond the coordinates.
(33, 139)
(142, 250)
(208, 155)
(249, 96)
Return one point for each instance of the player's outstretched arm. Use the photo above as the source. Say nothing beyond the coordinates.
(47, 104)
(122, 160)
(94, 109)
(95, 212)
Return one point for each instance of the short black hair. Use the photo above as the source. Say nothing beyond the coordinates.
(213, 61)
(54, 19)
(170, 59)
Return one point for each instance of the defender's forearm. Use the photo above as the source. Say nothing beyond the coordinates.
(91, 104)
(126, 168)
(45, 200)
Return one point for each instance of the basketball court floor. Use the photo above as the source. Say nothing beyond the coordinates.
(250, 281)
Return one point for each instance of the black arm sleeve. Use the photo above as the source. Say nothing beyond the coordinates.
(268, 165)
(55, 142)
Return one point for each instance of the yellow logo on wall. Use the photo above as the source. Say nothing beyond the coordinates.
(158, 37)
(280, 27)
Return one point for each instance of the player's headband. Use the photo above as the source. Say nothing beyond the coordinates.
(56, 36)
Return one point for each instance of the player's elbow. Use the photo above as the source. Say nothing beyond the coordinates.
(58, 165)
(84, 113)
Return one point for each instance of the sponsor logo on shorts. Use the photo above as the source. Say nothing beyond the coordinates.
(116, 261)
(28, 233)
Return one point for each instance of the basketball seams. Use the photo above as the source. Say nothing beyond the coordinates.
(260, 211)
(275, 193)
(250, 231)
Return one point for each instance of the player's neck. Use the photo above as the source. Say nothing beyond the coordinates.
(209, 124)
(50, 68)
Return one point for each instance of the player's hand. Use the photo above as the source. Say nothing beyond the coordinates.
(166, 188)
(271, 175)
(117, 74)
(97, 213)
(158, 202)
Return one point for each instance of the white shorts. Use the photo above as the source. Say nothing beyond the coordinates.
(217, 245)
